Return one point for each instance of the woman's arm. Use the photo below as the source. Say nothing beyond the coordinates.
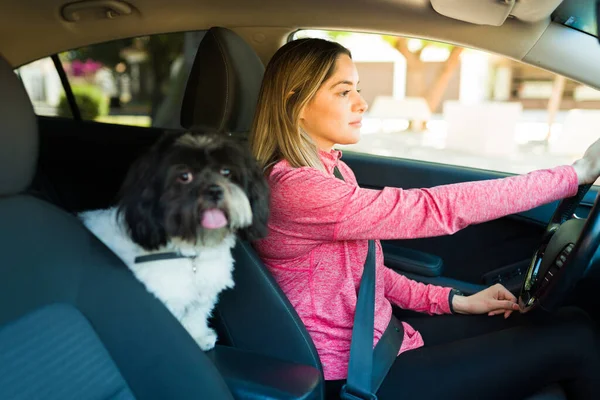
(416, 296)
(321, 207)
(431, 299)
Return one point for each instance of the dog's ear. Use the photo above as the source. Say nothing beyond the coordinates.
(257, 190)
(138, 199)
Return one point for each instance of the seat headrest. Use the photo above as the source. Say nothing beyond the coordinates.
(223, 86)
(18, 133)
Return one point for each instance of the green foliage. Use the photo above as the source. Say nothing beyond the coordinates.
(108, 53)
(164, 48)
(91, 101)
(336, 35)
(154, 54)
(393, 40)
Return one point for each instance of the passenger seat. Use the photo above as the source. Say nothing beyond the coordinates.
(74, 322)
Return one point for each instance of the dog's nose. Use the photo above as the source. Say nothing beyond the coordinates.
(215, 192)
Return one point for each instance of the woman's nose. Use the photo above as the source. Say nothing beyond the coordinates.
(360, 105)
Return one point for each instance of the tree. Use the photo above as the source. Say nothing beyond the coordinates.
(160, 51)
(415, 72)
(416, 81)
(558, 90)
(337, 35)
(163, 50)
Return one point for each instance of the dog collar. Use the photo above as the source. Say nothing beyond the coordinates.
(170, 255)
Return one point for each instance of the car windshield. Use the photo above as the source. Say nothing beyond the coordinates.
(578, 14)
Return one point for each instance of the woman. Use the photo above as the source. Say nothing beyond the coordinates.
(320, 225)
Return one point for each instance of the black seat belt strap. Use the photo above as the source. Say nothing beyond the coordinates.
(361, 384)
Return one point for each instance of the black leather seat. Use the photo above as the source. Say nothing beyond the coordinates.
(222, 89)
(74, 322)
(255, 316)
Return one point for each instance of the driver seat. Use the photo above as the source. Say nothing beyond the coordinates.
(74, 322)
(255, 315)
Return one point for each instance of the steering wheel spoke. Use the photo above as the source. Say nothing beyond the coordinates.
(563, 256)
(566, 209)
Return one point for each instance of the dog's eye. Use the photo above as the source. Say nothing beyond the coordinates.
(225, 172)
(185, 177)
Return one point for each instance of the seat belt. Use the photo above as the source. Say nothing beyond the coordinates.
(361, 383)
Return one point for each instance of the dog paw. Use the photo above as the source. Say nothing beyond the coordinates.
(207, 341)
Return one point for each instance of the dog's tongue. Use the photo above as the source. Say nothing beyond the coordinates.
(213, 219)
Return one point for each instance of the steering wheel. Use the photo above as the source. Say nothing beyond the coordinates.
(564, 255)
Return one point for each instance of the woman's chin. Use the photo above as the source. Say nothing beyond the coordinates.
(352, 138)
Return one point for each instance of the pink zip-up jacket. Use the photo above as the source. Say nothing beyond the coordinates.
(320, 226)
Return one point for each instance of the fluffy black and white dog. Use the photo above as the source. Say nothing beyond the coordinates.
(180, 208)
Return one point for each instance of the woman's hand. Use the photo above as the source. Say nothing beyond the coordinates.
(492, 301)
(588, 167)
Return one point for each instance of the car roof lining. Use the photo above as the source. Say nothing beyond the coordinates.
(266, 25)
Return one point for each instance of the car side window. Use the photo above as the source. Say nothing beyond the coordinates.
(42, 83)
(437, 102)
(138, 81)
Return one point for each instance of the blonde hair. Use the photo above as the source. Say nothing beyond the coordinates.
(291, 80)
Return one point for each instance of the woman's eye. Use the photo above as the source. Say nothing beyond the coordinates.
(185, 177)
(344, 93)
(359, 90)
(226, 172)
